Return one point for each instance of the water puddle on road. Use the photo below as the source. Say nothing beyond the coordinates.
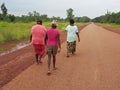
(17, 47)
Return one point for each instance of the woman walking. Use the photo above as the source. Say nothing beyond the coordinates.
(53, 44)
(72, 31)
(38, 33)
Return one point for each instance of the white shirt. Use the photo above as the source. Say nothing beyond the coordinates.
(71, 33)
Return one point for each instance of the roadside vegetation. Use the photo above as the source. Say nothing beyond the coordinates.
(20, 31)
(17, 28)
(110, 26)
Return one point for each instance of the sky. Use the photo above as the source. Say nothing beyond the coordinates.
(57, 8)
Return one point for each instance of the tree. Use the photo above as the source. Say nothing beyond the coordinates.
(70, 14)
(4, 9)
(11, 17)
(36, 15)
(85, 19)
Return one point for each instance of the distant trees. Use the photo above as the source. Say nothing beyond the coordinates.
(4, 15)
(108, 18)
(4, 10)
(70, 14)
(33, 16)
(77, 19)
(82, 19)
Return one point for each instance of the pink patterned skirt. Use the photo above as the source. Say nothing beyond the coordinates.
(39, 49)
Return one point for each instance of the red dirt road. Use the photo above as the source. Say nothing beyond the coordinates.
(95, 66)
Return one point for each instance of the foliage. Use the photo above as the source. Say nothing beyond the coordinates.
(4, 9)
(108, 18)
(112, 26)
(70, 14)
(19, 31)
(33, 16)
(14, 31)
(82, 19)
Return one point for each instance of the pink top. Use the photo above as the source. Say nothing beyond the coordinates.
(38, 34)
(52, 35)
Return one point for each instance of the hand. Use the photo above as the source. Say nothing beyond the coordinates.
(30, 43)
(59, 49)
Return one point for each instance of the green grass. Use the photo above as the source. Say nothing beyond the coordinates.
(19, 31)
(112, 26)
(14, 31)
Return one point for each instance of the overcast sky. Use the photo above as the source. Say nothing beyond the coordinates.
(90, 8)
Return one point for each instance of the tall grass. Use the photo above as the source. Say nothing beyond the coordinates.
(19, 31)
(14, 31)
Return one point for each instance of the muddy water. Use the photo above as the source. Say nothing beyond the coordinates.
(17, 47)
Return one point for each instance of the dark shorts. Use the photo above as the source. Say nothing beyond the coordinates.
(52, 50)
(71, 47)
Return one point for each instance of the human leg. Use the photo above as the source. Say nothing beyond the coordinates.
(49, 61)
(49, 52)
(73, 47)
(36, 56)
(68, 49)
(54, 61)
(55, 49)
(40, 57)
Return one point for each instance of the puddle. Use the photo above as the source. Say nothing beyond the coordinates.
(17, 47)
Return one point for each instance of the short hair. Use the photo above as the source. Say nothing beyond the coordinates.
(39, 21)
(54, 25)
(71, 21)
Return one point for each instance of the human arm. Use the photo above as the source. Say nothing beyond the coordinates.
(30, 38)
(46, 37)
(59, 43)
(78, 36)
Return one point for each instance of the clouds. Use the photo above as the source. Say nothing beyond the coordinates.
(90, 8)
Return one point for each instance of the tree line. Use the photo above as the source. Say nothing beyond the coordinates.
(108, 18)
(33, 16)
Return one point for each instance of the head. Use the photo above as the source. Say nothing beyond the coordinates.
(72, 22)
(54, 25)
(39, 22)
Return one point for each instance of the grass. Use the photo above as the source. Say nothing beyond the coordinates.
(14, 31)
(112, 26)
(20, 31)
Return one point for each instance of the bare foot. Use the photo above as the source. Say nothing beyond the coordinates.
(54, 68)
(48, 73)
(67, 56)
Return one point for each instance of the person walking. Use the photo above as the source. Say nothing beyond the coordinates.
(53, 44)
(72, 31)
(37, 36)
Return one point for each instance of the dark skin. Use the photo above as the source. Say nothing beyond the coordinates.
(72, 24)
(36, 55)
(49, 54)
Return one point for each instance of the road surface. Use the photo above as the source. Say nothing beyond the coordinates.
(95, 66)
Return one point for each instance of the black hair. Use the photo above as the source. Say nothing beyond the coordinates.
(54, 25)
(72, 21)
(39, 21)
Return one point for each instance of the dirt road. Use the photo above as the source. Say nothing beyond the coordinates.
(95, 66)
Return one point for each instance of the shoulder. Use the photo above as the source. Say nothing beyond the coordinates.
(48, 30)
(34, 26)
(57, 31)
(75, 27)
(68, 27)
